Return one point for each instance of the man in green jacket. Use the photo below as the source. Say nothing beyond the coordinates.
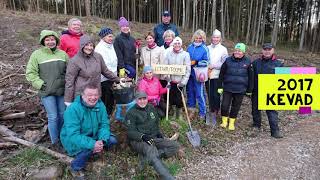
(145, 137)
(86, 128)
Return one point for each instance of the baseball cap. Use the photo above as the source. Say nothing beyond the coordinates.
(267, 46)
(166, 13)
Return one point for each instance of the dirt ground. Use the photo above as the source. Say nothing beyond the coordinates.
(222, 155)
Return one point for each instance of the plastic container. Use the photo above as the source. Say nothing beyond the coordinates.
(201, 73)
(124, 95)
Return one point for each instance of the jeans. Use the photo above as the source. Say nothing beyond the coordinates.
(82, 157)
(55, 107)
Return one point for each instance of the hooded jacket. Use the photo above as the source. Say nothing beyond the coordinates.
(151, 56)
(70, 42)
(153, 88)
(46, 68)
(83, 126)
(180, 58)
(84, 69)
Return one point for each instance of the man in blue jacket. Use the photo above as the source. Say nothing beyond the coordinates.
(163, 26)
(265, 65)
(86, 129)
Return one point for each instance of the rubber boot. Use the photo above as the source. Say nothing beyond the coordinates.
(231, 124)
(178, 113)
(160, 168)
(224, 123)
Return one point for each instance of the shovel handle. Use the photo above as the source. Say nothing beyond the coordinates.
(185, 109)
(167, 108)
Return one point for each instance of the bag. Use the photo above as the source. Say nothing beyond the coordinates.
(201, 71)
(122, 109)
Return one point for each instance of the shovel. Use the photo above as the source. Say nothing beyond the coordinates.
(168, 96)
(193, 135)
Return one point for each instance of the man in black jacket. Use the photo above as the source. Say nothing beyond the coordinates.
(265, 65)
(145, 137)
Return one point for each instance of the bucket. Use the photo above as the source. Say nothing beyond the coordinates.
(124, 95)
(122, 109)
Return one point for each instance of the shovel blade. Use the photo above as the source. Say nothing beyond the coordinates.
(194, 138)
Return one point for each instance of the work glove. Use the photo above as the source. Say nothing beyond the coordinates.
(148, 139)
(67, 103)
(248, 93)
(220, 90)
(193, 62)
(180, 85)
(122, 73)
(159, 135)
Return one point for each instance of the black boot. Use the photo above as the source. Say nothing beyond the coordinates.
(276, 134)
(161, 169)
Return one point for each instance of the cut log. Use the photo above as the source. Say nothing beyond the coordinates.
(14, 116)
(9, 135)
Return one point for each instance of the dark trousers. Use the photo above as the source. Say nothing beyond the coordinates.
(256, 115)
(235, 99)
(175, 95)
(161, 148)
(107, 96)
(82, 157)
(213, 95)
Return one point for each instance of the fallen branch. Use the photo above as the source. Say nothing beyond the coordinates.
(10, 75)
(7, 145)
(14, 116)
(8, 136)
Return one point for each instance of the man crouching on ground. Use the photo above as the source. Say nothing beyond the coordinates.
(86, 128)
(145, 137)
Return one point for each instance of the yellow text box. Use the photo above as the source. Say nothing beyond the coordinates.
(288, 91)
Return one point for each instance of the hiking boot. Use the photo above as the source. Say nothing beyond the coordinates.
(276, 134)
(57, 147)
(231, 124)
(77, 175)
(224, 123)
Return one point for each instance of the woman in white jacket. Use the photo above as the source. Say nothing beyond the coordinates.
(106, 50)
(218, 54)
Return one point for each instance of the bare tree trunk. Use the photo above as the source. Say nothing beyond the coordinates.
(204, 16)
(255, 22)
(194, 15)
(80, 12)
(73, 8)
(213, 12)
(134, 10)
(227, 19)
(87, 6)
(65, 6)
(38, 6)
(304, 26)
(222, 20)
(239, 20)
(183, 14)
(276, 24)
(57, 7)
(259, 23)
(249, 22)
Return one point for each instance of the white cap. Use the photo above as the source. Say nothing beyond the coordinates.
(177, 40)
(216, 32)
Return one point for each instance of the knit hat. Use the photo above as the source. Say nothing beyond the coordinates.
(141, 94)
(147, 69)
(177, 40)
(104, 32)
(241, 47)
(123, 22)
(216, 32)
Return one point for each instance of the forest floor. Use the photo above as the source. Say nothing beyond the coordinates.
(222, 155)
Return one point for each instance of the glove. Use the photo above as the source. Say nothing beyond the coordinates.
(220, 90)
(180, 85)
(147, 139)
(193, 62)
(122, 72)
(248, 93)
(159, 135)
(67, 103)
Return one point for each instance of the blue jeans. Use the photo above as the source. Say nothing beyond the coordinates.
(55, 107)
(82, 157)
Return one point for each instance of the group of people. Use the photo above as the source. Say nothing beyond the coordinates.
(71, 74)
